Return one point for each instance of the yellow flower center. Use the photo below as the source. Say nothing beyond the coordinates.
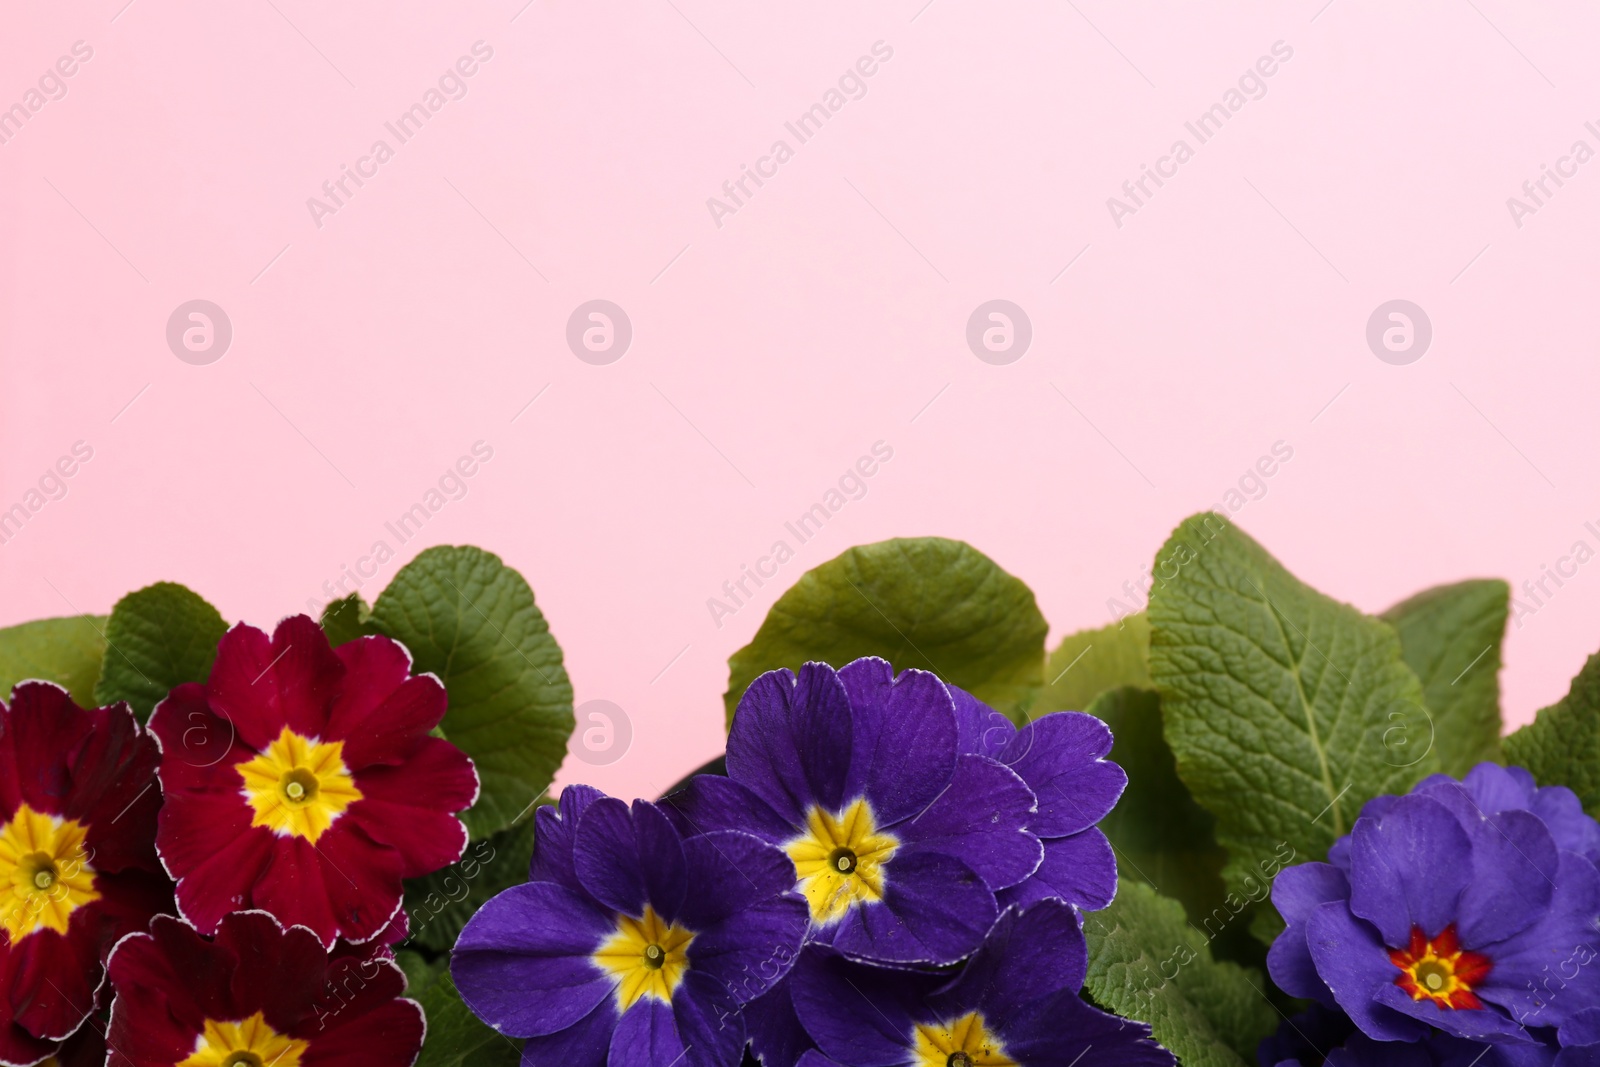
(244, 1043)
(963, 1042)
(840, 859)
(44, 873)
(299, 785)
(648, 956)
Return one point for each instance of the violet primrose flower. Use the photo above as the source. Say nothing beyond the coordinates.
(1461, 907)
(631, 946)
(899, 840)
(1015, 1003)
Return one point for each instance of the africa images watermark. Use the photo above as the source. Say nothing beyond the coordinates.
(1536, 593)
(50, 86)
(1251, 486)
(451, 485)
(452, 85)
(852, 485)
(852, 85)
(1536, 192)
(51, 485)
(1252, 85)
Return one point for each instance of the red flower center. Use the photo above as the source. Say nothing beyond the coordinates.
(1440, 970)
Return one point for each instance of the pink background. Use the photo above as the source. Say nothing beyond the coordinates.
(1228, 313)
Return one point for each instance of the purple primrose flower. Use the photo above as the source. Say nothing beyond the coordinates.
(1465, 908)
(1013, 1004)
(631, 946)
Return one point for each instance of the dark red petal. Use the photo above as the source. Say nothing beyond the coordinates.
(17, 1045)
(199, 748)
(352, 987)
(45, 726)
(114, 791)
(187, 971)
(1465, 999)
(280, 969)
(387, 1037)
(425, 840)
(243, 689)
(86, 1048)
(362, 880)
(307, 675)
(52, 978)
(1447, 944)
(167, 983)
(1419, 943)
(391, 730)
(375, 669)
(213, 885)
(291, 887)
(437, 776)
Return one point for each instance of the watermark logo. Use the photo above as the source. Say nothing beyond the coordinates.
(199, 332)
(599, 332)
(999, 332)
(604, 733)
(1399, 332)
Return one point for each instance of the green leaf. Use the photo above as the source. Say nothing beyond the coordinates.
(65, 651)
(1091, 662)
(456, 1037)
(441, 903)
(1450, 636)
(346, 619)
(157, 638)
(1146, 962)
(1561, 746)
(1161, 835)
(1286, 710)
(923, 602)
(471, 620)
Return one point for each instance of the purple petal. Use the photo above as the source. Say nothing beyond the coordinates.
(1355, 965)
(935, 909)
(1296, 893)
(1473, 1024)
(980, 819)
(810, 1058)
(980, 730)
(606, 857)
(1514, 863)
(904, 747)
(553, 834)
(1081, 870)
(753, 949)
(1550, 972)
(711, 802)
(1582, 1028)
(1061, 757)
(1063, 1031)
(1408, 869)
(1030, 953)
(1569, 824)
(776, 1036)
(790, 740)
(583, 1044)
(710, 1024)
(646, 1036)
(729, 871)
(661, 859)
(522, 963)
(857, 1014)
